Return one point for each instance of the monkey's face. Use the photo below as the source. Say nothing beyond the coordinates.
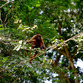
(39, 37)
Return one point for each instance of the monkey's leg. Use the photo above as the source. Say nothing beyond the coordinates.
(35, 53)
(33, 57)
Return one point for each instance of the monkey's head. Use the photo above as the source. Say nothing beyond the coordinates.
(38, 37)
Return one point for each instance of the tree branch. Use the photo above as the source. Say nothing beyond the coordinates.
(72, 64)
(4, 4)
(9, 12)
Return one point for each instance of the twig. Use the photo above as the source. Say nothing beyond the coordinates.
(7, 1)
(4, 0)
(4, 4)
(72, 37)
(9, 12)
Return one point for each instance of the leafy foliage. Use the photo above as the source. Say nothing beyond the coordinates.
(58, 21)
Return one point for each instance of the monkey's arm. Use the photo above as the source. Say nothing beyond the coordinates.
(32, 39)
(42, 46)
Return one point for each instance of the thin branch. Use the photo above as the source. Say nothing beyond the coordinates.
(7, 1)
(9, 12)
(4, 4)
(4, 0)
(73, 37)
(0, 17)
(55, 63)
(63, 43)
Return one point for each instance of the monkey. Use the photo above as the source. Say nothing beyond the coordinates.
(36, 42)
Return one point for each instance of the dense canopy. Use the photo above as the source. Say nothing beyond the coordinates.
(61, 26)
